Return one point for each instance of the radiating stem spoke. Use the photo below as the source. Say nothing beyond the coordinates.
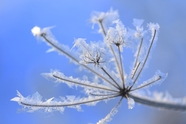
(66, 104)
(142, 86)
(117, 63)
(147, 55)
(135, 70)
(117, 86)
(138, 53)
(71, 57)
(111, 113)
(111, 94)
(87, 85)
(58, 48)
(136, 64)
(113, 52)
(102, 27)
(122, 69)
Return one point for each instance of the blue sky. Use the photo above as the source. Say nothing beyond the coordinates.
(23, 58)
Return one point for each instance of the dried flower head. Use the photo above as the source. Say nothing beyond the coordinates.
(108, 59)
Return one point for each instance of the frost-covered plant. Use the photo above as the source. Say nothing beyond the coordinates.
(104, 59)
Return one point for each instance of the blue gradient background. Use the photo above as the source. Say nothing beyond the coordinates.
(23, 58)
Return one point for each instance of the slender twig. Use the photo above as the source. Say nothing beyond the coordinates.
(87, 85)
(148, 52)
(135, 68)
(111, 78)
(111, 94)
(142, 86)
(71, 57)
(102, 27)
(104, 32)
(108, 117)
(58, 48)
(138, 53)
(122, 70)
(96, 61)
(117, 63)
(119, 102)
(118, 43)
(66, 104)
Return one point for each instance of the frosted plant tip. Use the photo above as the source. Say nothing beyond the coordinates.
(36, 31)
(153, 26)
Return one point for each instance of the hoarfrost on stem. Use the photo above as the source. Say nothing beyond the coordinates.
(104, 59)
(139, 29)
(104, 19)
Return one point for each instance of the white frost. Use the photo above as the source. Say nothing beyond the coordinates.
(131, 103)
(106, 17)
(17, 99)
(36, 31)
(158, 78)
(139, 33)
(35, 102)
(153, 26)
(109, 116)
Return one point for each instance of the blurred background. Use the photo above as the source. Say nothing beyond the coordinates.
(23, 58)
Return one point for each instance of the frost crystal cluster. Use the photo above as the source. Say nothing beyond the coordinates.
(105, 60)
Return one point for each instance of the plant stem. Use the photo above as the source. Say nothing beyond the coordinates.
(66, 104)
(148, 52)
(87, 85)
(71, 57)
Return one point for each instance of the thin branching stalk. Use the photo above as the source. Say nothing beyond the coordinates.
(58, 48)
(117, 63)
(122, 70)
(113, 52)
(71, 57)
(138, 53)
(67, 104)
(148, 52)
(102, 27)
(135, 70)
(136, 60)
(118, 87)
(87, 85)
(96, 61)
(142, 86)
(111, 113)
(110, 94)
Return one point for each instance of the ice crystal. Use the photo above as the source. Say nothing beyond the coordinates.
(104, 59)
